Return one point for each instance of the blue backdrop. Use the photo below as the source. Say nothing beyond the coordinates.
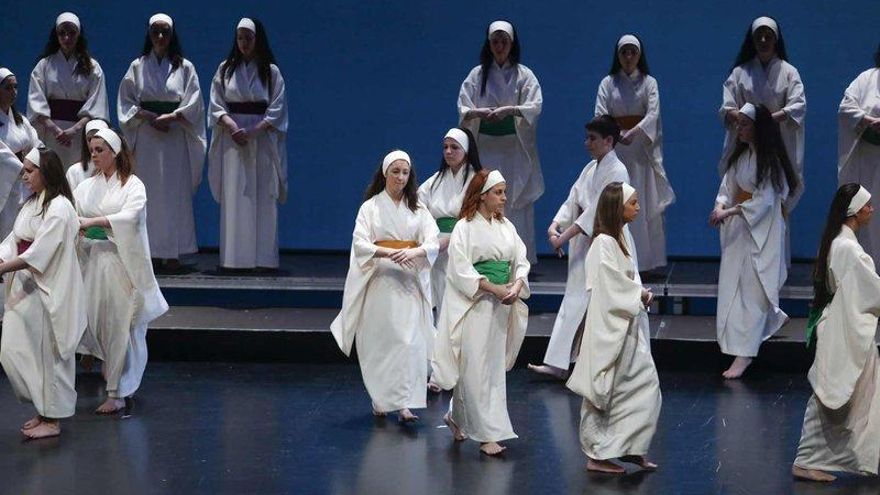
(365, 77)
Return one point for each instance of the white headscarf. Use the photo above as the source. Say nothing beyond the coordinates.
(858, 201)
(67, 17)
(247, 23)
(33, 156)
(492, 180)
(749, 111)
(112, 139)
(501, 26)
(765, 22)
(393, 157)
(628, 191)
(459, 136)
(628, 39)
(161, 18)
(4, 73)
(96, 124)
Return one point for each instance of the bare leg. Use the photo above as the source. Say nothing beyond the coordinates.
(406, 416)
(46, 429)
(640, 461)
(737, 368)
(111, 406)
(811, 474)
(457, 434)
(36, 420)
(491, 448)
(546, 369)
(603, 466)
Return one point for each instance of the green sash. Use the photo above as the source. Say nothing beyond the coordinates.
(871, 136)
(446, 224)
(96, 233)
(812, 323)
(504, 127)
(160, 107)
(495, 271)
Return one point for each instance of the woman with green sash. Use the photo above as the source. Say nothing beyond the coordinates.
(500, 102)
(443, 193)
(483, 319)
(162, 114)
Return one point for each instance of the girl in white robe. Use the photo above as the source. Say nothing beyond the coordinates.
(443, 193)
(66, 90)
(500, 102)
(749, 210)
(114, 251)
(615, 373)
(483, 319)
(393, 247)
(85, 168)
(858, 143)
(841, 429)
(630, 95)
(161, 112)
(45, 305)
(247, 161)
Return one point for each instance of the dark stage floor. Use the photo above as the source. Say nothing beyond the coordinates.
(265, 429)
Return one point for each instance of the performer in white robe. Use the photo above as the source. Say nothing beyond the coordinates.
(85, 168)
(483, 319)
(841, 429)
(500, 102)
(629, 94)
(749, 210)
(443, 193)
(45, 305)
(66, 90)
(161, 112)
(248, 156)
(573, 224)
(615, 373)
(858, 143)
(123, 295)
(393, 247)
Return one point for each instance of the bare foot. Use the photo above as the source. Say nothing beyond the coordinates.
(457, 434)
(406, 416)
(811, 474)
(737, 368)
(491, 448)
(378, 413)
(46, 429)
(604, 467)
(546, 369)
(640, 461)
(36, 420)
(110, 406)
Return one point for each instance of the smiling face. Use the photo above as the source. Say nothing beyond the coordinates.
(453, 153)
(631, 208)
(246, 40)
(629, 56)
(396, 177)
(102, 155)
(68, 35)
(8, 92)
(495, 198)
(30, 175)
(160, 37)
(500, 43)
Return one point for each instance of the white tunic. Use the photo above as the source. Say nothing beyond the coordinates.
(123, 293)
(393, 346)
(76, 174)
(18, 140)
(615, 373)
(857, 158)
(248, 181)
(169, 163)
(54, 78)
(478, 338)
(516, 156)
(752, 261)
(842, 423)
(630, 95)
(45, 307)
(443, 196)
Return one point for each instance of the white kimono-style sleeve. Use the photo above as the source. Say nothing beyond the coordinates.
(276, 113)
(531, 100)
(10, 169)
(851, 120)
(730, 95)
(727, 189)
(648, 124)
(569, 210)
(429, 234)
(795, 98)
(758, 211)
(601, 107)
(469, 88)
(8, 248)
(128, 101)
(96, 104)
(460, 272)
(47, 241)
(520, 265)
(217, 107)
(363, 247)
(38, 99)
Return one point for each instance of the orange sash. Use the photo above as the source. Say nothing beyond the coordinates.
(742, 197)
(627, 122)
(394, 244)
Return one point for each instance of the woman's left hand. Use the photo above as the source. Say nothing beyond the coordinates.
(405, 257)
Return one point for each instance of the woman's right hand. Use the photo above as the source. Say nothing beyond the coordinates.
(239, 135)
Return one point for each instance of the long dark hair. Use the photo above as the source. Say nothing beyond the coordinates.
(833, 223)
(747, 50)
(15, 114)
(472, 159)
(772, 159)
(85, 156)
(877, 57)
(263, 57)
(81, 51)
(52, 173)
(175, 51)
(609, 214)
(486, 57)
(643, 59)
(410, 190)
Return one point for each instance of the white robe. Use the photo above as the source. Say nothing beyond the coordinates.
(622, 95)
(443, 200)
(752, 261)
(45, 308)
(580, 208)
(615, 373)
(123, 295)
(857, 159)
(169, 163)
(478, 338)
(248, 181)
(386, 309)
(54, 78)
(75, 174)
(516, 156)
(842, 423)
(18, 140)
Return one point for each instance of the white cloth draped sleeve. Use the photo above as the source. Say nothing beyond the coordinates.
(649, 124)
(850, 117)
(569, 210)
(95, 103)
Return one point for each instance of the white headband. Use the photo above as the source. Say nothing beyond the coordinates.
(4, 73)
(628, 39)
(112, 139)
(628, 191)
(96, 124)
(858, 201)
(749, 111)
(501, 26)
(33, 156)
(459, 136)
(492, 180)
(765, 21)
(247, 23)
(393, 157)
(67, 17)
(161, 18)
